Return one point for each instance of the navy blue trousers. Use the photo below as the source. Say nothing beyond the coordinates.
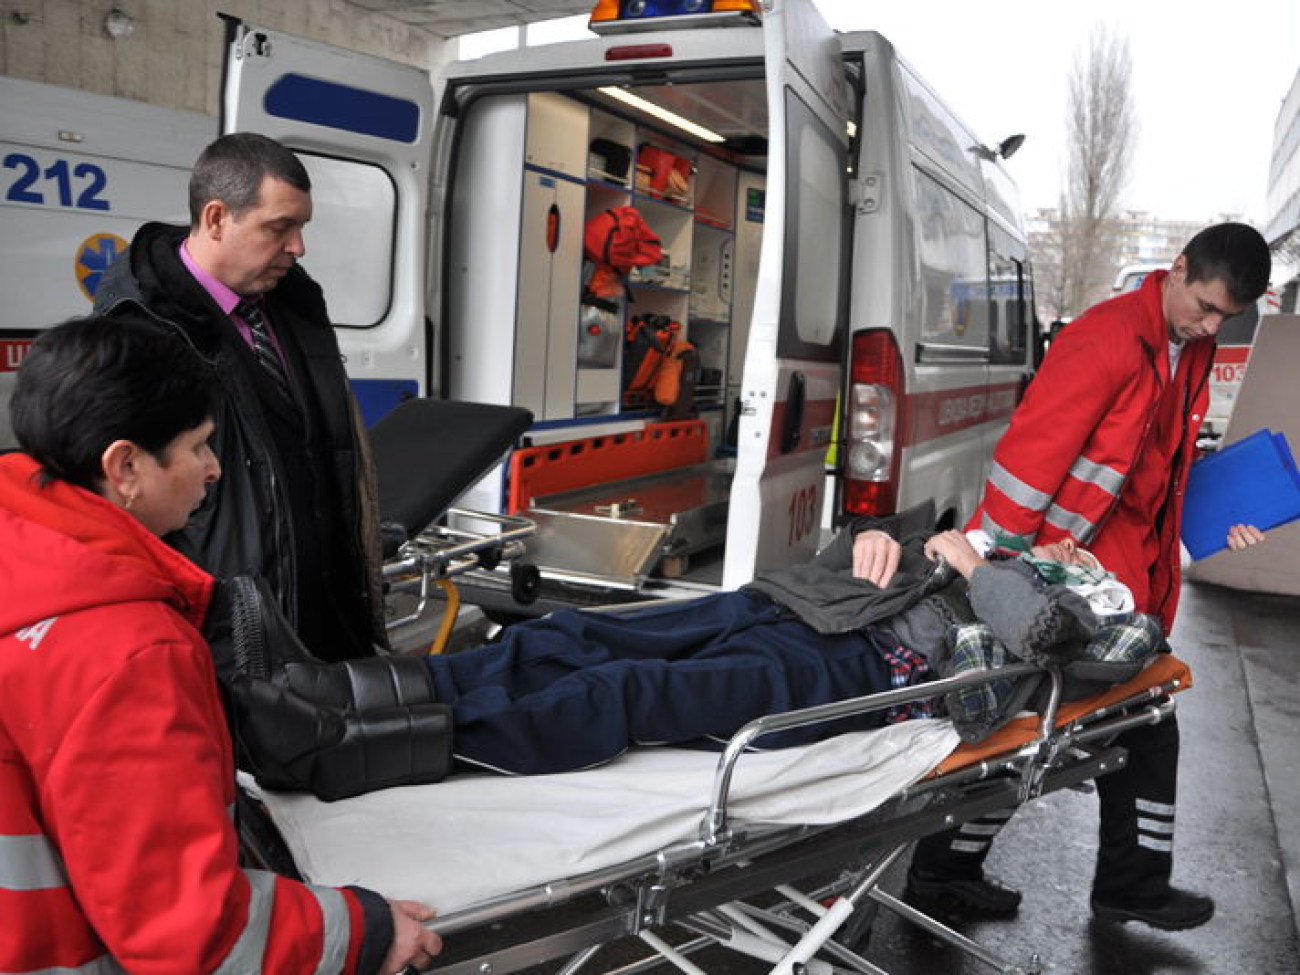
(575, 688)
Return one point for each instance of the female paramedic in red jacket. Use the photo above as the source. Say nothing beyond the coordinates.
(117, 849)
(1097, 454)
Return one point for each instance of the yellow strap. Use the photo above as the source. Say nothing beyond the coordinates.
(448, 616)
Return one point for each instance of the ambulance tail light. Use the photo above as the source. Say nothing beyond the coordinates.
(871, 424)
(620, 16)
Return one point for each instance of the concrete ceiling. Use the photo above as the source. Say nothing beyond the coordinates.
(451, 18)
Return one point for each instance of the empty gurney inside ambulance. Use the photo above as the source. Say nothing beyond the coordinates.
(673, 762)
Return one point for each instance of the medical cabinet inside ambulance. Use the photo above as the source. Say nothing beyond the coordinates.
(602, 246)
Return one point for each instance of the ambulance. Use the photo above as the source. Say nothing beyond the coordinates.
(79, 173)
(1233, 346)
(842, 258)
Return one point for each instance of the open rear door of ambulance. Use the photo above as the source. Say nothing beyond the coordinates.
(795, 346)
(362, 126)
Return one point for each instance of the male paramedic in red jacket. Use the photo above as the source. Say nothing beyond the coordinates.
(1098, 453)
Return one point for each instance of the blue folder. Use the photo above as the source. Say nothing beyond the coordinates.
(1251, 482)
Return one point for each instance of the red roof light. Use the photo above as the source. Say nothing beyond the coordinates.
(635, 52)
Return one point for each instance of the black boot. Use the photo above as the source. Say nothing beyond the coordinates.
(978, 896)
(1138, 807)
(1176, 911)
(947, 871)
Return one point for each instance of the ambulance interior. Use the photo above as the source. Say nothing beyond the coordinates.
(615, 505)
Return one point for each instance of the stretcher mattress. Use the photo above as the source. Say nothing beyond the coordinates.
(470, 838)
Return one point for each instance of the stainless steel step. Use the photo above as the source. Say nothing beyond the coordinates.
(616, 534)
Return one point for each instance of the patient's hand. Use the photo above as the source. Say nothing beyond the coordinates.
(953, 547)
(875, 557)
(1243, 536)
(413, 943)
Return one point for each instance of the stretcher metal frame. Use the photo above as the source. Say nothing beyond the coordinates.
(427, 453)
(734, 885)
(442, 552)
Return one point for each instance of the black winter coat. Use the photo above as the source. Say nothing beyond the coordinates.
(251, 521)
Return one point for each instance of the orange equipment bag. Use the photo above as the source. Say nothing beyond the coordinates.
(621, 239)
(664, 365)
(663, 172)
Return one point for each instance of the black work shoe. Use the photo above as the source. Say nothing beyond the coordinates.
(1181, 910)
(980, 897)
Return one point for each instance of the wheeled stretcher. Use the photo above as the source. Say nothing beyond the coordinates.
(775, 854)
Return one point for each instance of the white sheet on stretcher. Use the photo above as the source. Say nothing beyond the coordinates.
(470, 838)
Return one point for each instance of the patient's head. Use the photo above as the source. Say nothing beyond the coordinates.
(1067, 553)
(123, 408)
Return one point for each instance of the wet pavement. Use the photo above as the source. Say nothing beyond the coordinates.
(1238, 828)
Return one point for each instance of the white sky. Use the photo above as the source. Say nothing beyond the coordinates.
(1208, 80)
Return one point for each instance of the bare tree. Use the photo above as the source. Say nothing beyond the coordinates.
(1047, 245)
(1101, 136)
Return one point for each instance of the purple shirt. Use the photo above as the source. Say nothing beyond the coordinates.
(227, 300)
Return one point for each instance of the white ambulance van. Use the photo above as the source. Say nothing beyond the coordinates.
(845, 257)
(79, 173)
(1235, 341)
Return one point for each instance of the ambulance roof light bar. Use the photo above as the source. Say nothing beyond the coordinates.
(625, 16)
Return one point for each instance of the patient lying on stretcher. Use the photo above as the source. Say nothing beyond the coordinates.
(869, 613)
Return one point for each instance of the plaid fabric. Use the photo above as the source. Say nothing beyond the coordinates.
(906, 669)
(1127, 638)
(1066, 575)
(1124, 638)
(976, 650)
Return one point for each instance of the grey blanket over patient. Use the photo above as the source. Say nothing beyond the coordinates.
(925, 599)
(825, 594)
(927, 605)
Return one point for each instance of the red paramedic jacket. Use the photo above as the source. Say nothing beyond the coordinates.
(117, 847)
(1084, 456)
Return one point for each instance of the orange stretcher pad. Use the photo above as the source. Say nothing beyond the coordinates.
(1164, 669)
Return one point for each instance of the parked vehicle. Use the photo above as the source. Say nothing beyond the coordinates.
(1131, 276)
(839, 251)
(79, 173)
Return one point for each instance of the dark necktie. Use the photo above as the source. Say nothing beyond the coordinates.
(263, 346)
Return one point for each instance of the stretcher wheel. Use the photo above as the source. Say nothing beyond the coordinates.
(489, 558)
(525, 583)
